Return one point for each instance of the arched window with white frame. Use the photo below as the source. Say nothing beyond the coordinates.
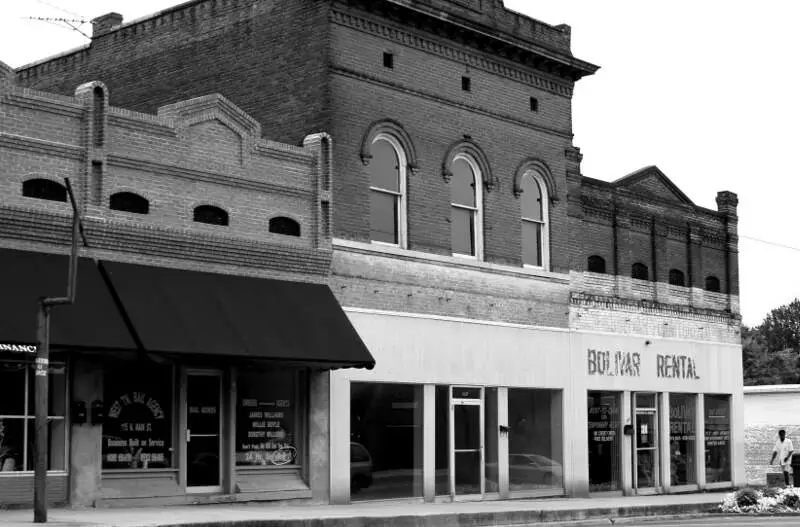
(535, 232)
(466, 199)
(387, 172)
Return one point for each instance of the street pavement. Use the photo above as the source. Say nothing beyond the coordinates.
(386, 514)
(703, 521)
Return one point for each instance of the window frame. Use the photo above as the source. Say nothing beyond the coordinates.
(673, 275)
(401, 195)
(544, 224)
(28, 417)
(209, 207)
(640, 266)
(279, 220)
(477, 210)
(715, 280)
(128, 193)
(47, 182)
(596, 258)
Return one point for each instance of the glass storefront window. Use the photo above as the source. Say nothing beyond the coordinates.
(605, 467)
(137, 432)
(442, 441)
(267, 432)
(534, 439)
(491, 440)
(385, 440)
(682, 413)
(718, 438)
(17, 413)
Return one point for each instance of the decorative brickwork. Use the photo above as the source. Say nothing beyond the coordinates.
(201, 151)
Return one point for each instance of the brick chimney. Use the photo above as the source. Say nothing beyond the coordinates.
(727, 202)
(104, 24)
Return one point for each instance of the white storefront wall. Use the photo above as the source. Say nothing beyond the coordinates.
(430, 350)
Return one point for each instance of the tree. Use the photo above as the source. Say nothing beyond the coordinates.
(771, 351)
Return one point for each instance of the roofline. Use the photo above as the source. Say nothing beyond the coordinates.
(773, 388)
(540, 49)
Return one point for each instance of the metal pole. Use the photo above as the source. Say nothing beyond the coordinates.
(43, 366)
(42, 387)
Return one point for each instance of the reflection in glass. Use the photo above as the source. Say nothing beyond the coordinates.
(535, 439)
(646, 445)
(203, 424)
(137, 432)
(266, 418)
(467, 440)
(646, 466)
(383, 217)
(604, 441)
(462, 231)
(17, 410)
(532, 243)
(717, 436)
(491, 440)
(386, 438)
(385, 192)
(682, 412)
(442, 441)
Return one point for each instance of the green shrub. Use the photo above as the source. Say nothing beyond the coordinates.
(791, 500)
(746, 498)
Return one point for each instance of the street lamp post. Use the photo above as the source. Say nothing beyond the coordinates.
(43, 363)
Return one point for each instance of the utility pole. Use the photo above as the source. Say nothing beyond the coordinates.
(43, 362)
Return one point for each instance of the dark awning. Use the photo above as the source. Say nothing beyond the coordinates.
(177, 311)
(93, 322)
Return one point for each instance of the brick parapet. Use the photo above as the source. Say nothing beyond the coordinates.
(202, 151)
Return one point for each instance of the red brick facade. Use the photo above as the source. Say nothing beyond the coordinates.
(302, 66)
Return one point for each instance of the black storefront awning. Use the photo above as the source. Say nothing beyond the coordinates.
(177, 311)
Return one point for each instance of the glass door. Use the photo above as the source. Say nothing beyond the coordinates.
(645, 460)
(203, 426)
(466, 442)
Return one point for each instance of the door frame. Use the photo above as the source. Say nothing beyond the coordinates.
(479, 402)
(201, 372)
(655, 448)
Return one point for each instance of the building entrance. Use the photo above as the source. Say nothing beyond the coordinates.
(646, 473)
(466, 442)
(203, 427)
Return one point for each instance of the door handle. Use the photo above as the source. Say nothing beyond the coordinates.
(188, 435)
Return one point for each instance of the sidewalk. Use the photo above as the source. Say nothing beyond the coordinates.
(400, 514)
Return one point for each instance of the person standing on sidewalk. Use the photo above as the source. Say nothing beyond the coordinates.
(784, 450)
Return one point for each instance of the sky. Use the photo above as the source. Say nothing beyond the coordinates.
(705, 90)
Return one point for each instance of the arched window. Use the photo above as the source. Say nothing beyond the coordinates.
(284, 225)
(211, 215)
(466, 216)
(534, 220)
(387, 184)
(41, 188)
(676, 277)
(596, 264)
(712, 284)
(639, 271)
(129, 202)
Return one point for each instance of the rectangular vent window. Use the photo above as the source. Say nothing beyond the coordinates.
(388, 60)
(534, 104)
(466, 84)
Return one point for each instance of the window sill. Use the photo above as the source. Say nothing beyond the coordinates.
(455, 261)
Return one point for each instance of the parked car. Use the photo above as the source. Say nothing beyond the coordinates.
(534, 468)
(360, 467)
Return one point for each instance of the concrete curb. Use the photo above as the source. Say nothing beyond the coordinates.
(477, 519)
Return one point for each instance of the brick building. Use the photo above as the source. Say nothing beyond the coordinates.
(536, 332)
(183, 365)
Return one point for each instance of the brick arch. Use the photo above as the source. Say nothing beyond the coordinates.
(471, 148)
(542, 170)
(396, 130)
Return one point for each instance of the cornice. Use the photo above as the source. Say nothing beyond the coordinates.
(135, 124)
(441, 49)
(609, 303)
(431, 97)
(40, 146)
(194, 174)
(44, 104)
(39, 225)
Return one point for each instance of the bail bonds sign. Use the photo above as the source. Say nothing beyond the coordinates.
(629, 364)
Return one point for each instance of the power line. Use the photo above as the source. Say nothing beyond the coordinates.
(776, 244)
